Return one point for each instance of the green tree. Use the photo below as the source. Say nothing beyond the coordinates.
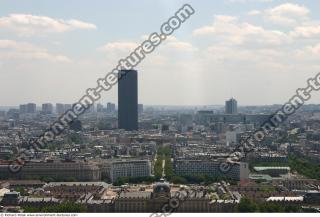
(168, 168)
(22, 191)
(246, 205)
(158, 167)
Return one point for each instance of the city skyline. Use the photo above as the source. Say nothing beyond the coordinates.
(159, 107)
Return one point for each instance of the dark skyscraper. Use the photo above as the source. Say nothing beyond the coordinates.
(231, 106)
(128, 100)
(111, 107)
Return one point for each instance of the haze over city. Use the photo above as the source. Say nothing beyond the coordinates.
(257, 51)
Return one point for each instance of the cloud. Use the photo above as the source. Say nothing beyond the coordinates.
(10, 49)
(221, 24)
(119, 46)
(287, 14)
(246, 1)
(229, 30)
(296, 17)
(126, 47)
(254, 12)
(31, 25)
(314, 50)
(306, 31)
(180, 46)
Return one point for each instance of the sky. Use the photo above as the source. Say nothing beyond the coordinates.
(257, 51)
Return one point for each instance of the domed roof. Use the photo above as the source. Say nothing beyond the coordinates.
(160, 187)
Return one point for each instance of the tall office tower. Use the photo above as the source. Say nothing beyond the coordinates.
(99, 107)
(13, 113)
(231, 106)
(2, 113)
(128, 100)
(140, 108)
(31, 108)
(60, 108)
(67, 107)
(23, 108)
(47, 108)
(111, 107)
(91, 109)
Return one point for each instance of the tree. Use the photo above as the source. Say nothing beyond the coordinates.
(75, 138)
(75, 125)
(22, 191)
(246, 205)
(158, 167)
(168, 168)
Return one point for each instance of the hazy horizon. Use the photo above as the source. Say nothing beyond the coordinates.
(257, 51)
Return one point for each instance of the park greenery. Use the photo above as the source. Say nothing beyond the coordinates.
(304, 166)
(22, 191)
(168, 168)
(163, 153)
(134, 180)
(247, 206)
(74, 138)
(158, 167)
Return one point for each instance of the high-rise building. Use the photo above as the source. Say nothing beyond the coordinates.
(111, 107)
(27, 108)
(23, 108)
(13, 114)
(47, 108)
(60, 108)
(2, 113)
(231, 106)
(31, 108)
(91, 109)
(67, 107)
(99, 107)
(128, 100)
(140, 108)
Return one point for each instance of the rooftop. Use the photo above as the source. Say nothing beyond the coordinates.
(270, 168)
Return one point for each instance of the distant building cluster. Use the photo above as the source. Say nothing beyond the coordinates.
(104, 159)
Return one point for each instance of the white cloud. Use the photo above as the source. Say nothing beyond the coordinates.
(287, 14)
(289, 9)
(254, 12)
(10, 49)
(180, 46)
(231, 31)
(221, 24)
(119, 46)
(306, 31)
(127, 47)
(30, 25)
(246, 1)
(314, 50)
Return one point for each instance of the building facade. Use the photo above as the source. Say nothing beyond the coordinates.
(47, 108)
(81, 171)
(133, 168)
(238, 171)
(231, 106)
(128, 100)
